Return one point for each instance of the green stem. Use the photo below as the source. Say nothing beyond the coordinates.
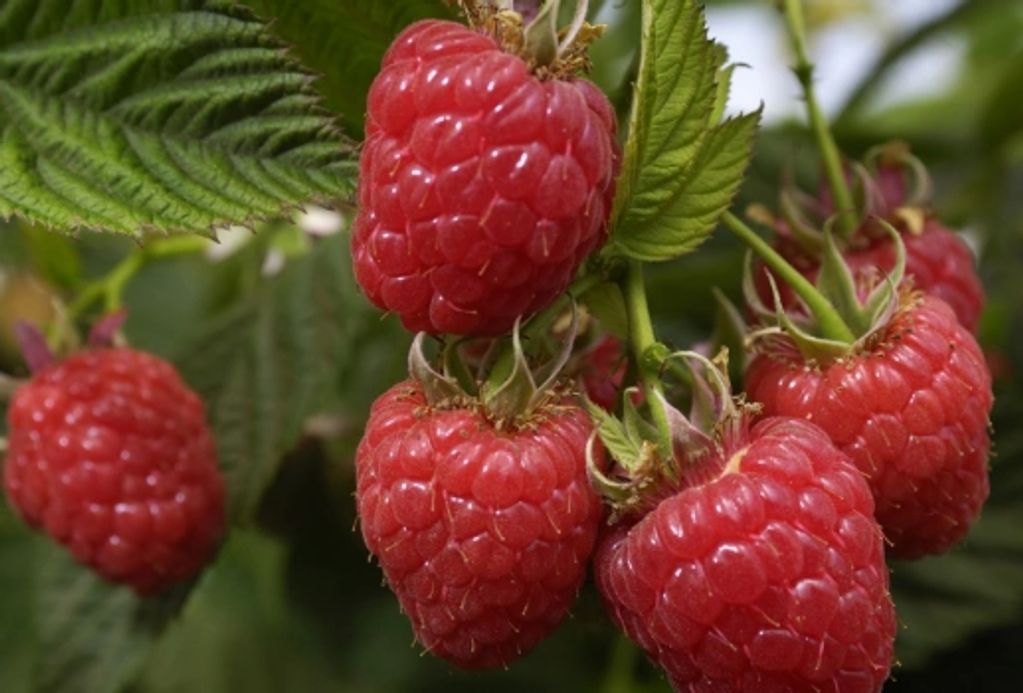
(842, 197)
(641, 339)
(539, 326)
(620, 667)
(831, 323)
(110, 288)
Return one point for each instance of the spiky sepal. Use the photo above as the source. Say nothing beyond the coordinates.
(551, 53)
(702, 442)
(866, 302)
(506, 397)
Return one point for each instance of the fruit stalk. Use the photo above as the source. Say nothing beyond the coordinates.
(641, 339)
(831, 323)
(111, 287)
(803, 69)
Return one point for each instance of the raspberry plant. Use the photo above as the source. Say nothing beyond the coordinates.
(221, 224)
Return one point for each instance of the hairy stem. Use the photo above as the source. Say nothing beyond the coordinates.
(110, 288)
(842, 197)
(831, 323)
(641, 339)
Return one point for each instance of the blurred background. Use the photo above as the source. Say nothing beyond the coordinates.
(292, 604)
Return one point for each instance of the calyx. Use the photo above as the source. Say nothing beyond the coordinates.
(703, 442)
(890, 184)
(508, 395)
(865, 302)
(550, 51)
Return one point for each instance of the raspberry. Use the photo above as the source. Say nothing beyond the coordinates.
(937, 260)
(911, 411)
(768, 577)
(109, 454)
(603, 372)
(483, 534)
(482, 188)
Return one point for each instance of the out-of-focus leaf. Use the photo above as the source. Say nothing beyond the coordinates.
(156, 115)
(92, 637)
(238, 633)
(54, 258)
(943, 601)
(264, 366)
(17, 629)
(1002, 118)
(345, 40)
(606, 303)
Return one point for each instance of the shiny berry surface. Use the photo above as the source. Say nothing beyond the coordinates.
(483, 535)
(912, 413)
(603, 371)
(482, 188)
(770, 577)
(109, 454)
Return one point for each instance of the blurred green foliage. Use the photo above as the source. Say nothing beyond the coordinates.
(292, 604)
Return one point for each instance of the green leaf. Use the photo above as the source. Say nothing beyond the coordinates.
(156, 115)
(264, 366)
(17, 633)
(680, 171)
(606, 303)
(240, 632)
(614, 435)
(93, 637)
(54, 258)
(345, 41)
(698, 197)
(942, 601)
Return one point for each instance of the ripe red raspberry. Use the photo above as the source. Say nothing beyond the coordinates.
(483, 534)
(911, 410)
(769, 576)
(603, 371)
(482, 188)
(110, 455)
(938, 261)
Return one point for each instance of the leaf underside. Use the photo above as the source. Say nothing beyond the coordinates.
(157, 115)
(265, 366)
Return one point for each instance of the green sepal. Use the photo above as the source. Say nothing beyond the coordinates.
(897, 153)
(439, 388)
(793, 203)
(636, 426)
(724, 84)
(729, 333)
(455, 366)
(836, 282)
(518, 394)
(541, 36)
